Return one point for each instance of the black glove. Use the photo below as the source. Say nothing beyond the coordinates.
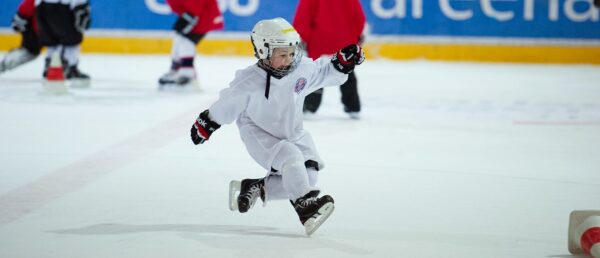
(203, 128)
(82, 17)
(20, 23)
(345, 59)
(597, 3)
(186, 23)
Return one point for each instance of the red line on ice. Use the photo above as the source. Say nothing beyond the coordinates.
(33, 195)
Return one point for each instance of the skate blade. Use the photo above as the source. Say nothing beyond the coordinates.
(313, 224)
(234, 189)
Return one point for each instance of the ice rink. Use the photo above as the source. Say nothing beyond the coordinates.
(449, 160)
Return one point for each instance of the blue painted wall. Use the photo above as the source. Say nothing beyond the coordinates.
(564, 19)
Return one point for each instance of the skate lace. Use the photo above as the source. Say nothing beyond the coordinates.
(307, 202)
(253, 192)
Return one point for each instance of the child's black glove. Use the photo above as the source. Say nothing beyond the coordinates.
(203, 128)
(20, 24)
(345, 59)
(82, 17)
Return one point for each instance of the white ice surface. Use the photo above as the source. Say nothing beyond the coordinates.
(448, 160)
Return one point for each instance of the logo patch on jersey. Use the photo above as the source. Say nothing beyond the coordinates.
(300, 83)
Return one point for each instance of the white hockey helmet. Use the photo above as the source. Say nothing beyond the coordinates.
(270, 34)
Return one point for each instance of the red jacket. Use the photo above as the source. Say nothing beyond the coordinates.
(27, 11)
(326, 26)
(206, 10)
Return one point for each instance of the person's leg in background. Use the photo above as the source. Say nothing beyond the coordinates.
(312, 102)
(350, 97)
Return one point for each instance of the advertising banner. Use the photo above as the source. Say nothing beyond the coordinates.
(548, 19)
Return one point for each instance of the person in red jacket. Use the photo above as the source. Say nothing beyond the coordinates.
(196, 18)
(324, 32)
(23, 22)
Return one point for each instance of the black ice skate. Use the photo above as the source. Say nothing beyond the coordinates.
(77, 78)
(243, 195)
(313, 210)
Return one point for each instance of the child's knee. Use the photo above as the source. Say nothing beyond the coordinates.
(288, 155)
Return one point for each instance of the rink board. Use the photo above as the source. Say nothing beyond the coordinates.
(531, 31)
(526, 53)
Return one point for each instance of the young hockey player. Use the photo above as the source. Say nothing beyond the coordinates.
(196, 18)
(324, 32)
(24, 23)
(266, 101)
(60, 28)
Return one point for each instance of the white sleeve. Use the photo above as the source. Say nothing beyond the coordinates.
(324, 74)
(231, 103)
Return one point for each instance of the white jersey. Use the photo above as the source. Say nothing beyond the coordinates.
(267, 125)
(281, 114)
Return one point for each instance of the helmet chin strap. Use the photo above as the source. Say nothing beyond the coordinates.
(267, 68)
(265, 64)
(268, 85)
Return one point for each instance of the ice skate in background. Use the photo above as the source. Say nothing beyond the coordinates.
(179, 78)
(76, 78)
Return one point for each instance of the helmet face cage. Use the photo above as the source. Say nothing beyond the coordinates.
(266, 63)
